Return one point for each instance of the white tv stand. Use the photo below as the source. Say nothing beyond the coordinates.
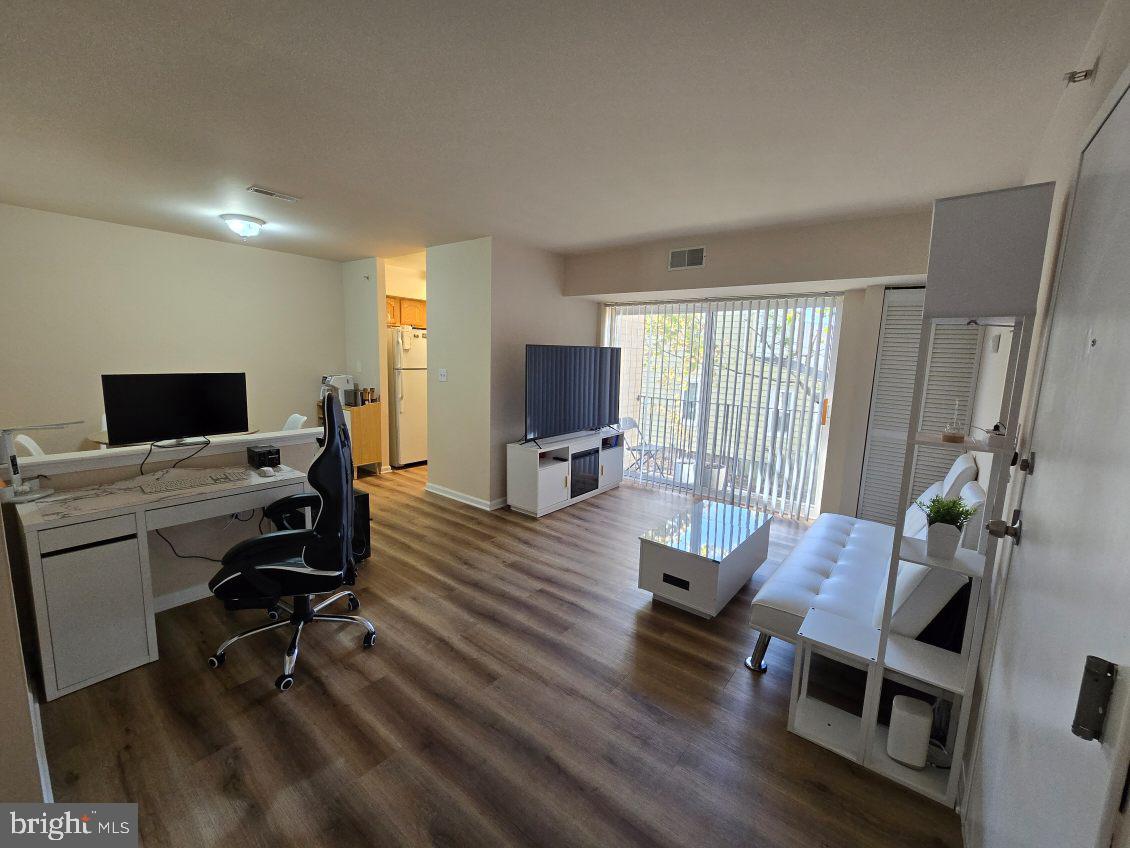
(540, 475)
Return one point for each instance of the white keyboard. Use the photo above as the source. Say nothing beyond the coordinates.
(194, 480)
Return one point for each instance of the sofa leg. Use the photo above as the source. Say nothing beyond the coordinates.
(756, 662)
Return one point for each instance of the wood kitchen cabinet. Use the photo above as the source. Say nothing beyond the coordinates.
(413, 312)
(392, 308)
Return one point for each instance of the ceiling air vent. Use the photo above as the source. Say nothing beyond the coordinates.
(689, 257)
(269, 192)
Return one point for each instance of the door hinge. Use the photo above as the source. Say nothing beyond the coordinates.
(1028, 464)
(1001, 529)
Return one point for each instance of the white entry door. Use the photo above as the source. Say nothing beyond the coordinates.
(1068, 588)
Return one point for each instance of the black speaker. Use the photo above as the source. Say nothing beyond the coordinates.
(361, 546)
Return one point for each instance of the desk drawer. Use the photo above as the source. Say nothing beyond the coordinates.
(169, 516)
(86, 533)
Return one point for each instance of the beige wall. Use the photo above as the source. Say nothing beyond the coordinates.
(86, 297)
(363, 316)
(405, 281)
(459, 340)
(1056, 158)
(527, 307)
(489, 298)
(20, 777)
(860, 248)
(851, 399)
(362, 283)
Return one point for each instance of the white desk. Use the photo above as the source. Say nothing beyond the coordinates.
(88, 558)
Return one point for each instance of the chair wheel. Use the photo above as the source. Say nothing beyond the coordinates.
(284, 682)
(274, 613)
(369, 640)
(216, 661)
(353, 603)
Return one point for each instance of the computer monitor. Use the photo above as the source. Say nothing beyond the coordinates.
(157, 407)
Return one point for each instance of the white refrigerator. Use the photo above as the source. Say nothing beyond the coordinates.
(408, 430)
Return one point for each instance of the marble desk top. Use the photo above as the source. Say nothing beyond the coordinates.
(120, 496)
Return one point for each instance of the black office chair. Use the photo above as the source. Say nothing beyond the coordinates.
(299, 563)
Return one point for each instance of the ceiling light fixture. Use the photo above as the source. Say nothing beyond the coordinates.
(243, 226)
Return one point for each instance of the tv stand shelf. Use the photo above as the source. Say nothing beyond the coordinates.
(539, 475)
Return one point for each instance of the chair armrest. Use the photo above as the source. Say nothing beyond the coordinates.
(268, 548)
(291, 506)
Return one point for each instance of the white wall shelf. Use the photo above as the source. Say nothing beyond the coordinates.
(967, 562)
(829, 727)
(936, 666)
(840, 634)
(970, 444)
(930, 781)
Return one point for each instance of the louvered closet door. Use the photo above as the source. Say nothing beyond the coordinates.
(951, 376)
(951, 379)
(891, 395)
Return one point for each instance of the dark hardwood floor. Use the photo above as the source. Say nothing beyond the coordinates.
(522, 691)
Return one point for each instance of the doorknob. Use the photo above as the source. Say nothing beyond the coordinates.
(999, 528)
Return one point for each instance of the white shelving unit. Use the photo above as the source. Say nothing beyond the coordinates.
(967, 562)
(1007, 227)
(1007, 447)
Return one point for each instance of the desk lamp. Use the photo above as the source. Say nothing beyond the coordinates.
(18, 491)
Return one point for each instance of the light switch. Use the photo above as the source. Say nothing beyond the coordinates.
(443, 375)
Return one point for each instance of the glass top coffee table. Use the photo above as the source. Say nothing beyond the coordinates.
(699, 559)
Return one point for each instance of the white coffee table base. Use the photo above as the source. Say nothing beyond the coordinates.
(696, 583)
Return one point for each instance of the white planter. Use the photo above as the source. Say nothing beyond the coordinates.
(941, 541)
(685, 474)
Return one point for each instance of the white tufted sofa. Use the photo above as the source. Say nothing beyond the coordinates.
(841, 563)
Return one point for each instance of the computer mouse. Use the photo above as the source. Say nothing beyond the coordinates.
(266, 471)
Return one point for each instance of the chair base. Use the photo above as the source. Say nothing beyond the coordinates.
(302, 611)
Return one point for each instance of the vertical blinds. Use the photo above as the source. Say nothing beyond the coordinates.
(725, 399)
(951, 375)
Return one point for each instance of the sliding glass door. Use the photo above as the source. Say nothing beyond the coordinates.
(725, 399)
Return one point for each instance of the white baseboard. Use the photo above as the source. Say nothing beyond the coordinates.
(40, 750)
(480, 503)
(180, 596)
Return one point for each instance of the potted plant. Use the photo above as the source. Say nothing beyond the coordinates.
(946, 518)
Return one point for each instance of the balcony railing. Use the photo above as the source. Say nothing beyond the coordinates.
(751, 454)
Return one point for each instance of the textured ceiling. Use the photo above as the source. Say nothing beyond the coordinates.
(569, 125)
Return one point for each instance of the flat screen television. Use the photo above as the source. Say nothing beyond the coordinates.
(156, 407)
(570, 389)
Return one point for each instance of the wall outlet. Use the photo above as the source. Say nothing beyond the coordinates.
(443, 375)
